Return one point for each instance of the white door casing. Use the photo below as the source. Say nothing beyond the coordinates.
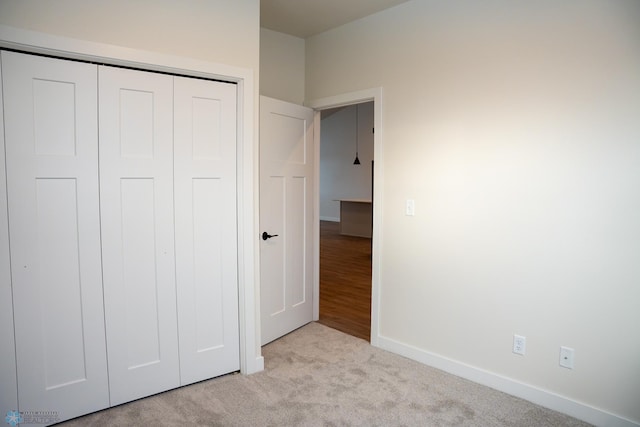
(136, 195)
(206, 241)
(29, 41)
(286, 210)
(350, 98)
(52, 181)
(247, 216)
(8, 380)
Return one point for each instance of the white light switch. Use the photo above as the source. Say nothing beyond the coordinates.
(411, 207)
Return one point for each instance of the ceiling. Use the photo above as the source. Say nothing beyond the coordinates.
(304, 18)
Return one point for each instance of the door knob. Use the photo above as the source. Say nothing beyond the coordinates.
(266, 235)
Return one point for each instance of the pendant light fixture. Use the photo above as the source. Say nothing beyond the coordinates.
(357, 160)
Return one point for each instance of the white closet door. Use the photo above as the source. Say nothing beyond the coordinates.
(52, 180)
(206, 240)
(136, 195)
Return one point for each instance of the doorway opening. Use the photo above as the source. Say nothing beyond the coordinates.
(346, 217)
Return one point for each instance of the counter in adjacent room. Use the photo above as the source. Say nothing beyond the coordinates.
(356, 217)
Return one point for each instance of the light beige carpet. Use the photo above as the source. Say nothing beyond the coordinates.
(317, 376)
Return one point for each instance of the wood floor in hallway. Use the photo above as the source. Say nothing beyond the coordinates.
(345, 281)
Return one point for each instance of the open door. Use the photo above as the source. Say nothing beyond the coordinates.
(286, 217)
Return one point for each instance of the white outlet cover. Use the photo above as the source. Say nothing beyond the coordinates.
(566, 357)
(519, 344)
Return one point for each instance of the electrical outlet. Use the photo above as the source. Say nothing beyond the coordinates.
(566, 357)
(410, 208)
(519, 344)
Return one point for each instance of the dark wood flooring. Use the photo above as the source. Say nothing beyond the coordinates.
(345, 281)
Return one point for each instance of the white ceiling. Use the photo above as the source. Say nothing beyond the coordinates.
(304, 18)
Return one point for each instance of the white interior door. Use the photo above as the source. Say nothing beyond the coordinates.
(52, 179)
(206, 230)
(136, 195)
(286, 212)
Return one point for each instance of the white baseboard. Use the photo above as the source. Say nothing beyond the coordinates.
(259, 364)
(510, 386)
(256, 366)
(329, 218)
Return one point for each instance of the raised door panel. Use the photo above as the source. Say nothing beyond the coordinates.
(206, 237)
(52, 181)
(136, 195)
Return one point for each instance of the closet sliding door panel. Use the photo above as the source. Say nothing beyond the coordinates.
(136, 195)
(206, 239)
(50, 111)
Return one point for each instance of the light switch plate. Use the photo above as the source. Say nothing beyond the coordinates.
(410, 208)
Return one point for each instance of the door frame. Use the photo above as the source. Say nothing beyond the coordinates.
(350, 98)
(8, 378)
(251, 359)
